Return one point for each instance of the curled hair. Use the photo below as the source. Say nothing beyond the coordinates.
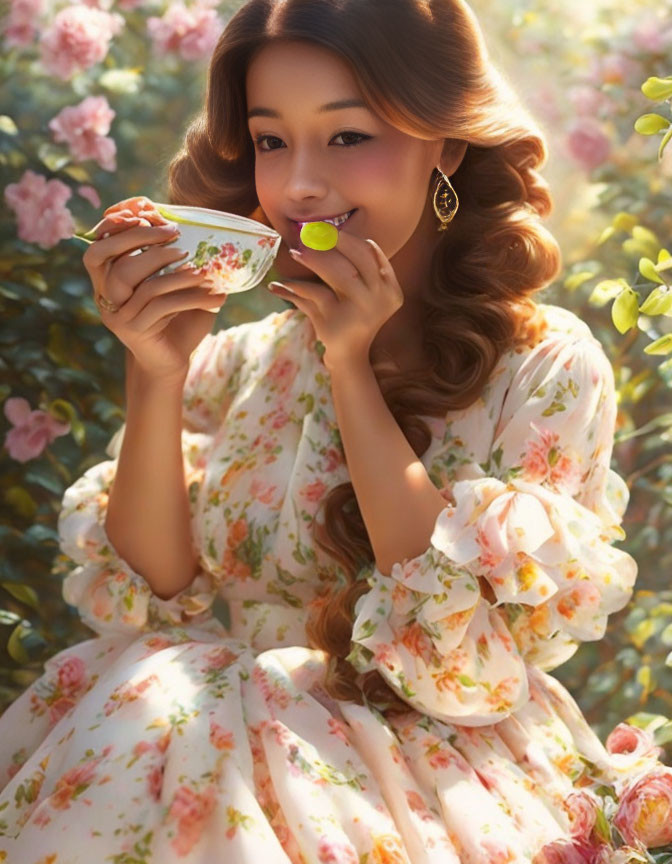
(422, 65)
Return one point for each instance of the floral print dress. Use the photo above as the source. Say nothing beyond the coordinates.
(196, 729)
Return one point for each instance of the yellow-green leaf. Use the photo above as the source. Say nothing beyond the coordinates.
(7, 125)
(648, 270)
(624, 221)
(608, 232)
(657, 89)
(658, 302)
(651, 124)
(625, 310)
(577, 279)
(606, 290)
(14, 647)
(22, 592)
(663, 345)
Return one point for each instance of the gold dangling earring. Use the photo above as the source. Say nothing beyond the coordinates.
(445, 200)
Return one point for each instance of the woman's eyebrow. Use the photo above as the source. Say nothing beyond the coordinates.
(330, 106)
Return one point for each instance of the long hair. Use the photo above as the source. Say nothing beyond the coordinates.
(423, 66)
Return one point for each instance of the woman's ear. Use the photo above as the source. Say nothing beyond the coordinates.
(452, 155)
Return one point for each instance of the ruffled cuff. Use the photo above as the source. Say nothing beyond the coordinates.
(541, 548)
(108, 594)
(433, 637)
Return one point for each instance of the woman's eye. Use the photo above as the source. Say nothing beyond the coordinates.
(358, 135)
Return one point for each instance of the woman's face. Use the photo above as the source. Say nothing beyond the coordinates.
(312, 163)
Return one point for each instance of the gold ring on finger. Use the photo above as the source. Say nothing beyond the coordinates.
(104, 303)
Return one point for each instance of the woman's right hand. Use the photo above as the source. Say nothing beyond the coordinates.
(161, 320)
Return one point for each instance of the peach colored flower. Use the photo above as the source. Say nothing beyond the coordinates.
(582, 809)
(282, 371)
(72, 783)
(314, 491)
(261, 490)
(220, 738)
(633, 741)
(32, 430)
(645, 809)
(78, 37)
(238, 531)
(191, 810)
(84, 128)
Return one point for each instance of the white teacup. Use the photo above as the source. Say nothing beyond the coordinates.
(234, 252)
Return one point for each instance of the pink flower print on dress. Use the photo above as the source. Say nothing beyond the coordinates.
(545, 461)
(190, 810)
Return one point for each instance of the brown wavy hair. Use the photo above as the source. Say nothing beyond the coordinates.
(423, 66)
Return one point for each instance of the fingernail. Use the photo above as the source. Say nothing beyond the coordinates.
(169, 229)
(295, 253)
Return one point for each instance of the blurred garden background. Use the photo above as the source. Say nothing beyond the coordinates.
(96, 97)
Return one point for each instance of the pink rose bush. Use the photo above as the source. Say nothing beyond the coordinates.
(78, 38)
(84, 128)
(20, 26)
(619, 829)
(192, 32)
(32, 432)
(645, 810)
(39, 205)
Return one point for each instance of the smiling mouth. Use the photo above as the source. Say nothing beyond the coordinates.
(336, 225)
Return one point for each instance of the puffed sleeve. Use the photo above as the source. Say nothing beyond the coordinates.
(534, 525)
(108, 594)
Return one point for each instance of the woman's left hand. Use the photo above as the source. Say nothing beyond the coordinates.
(358, 294)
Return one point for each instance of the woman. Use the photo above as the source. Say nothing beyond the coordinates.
(401, 485)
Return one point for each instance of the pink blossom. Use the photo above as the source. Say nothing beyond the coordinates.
(78, 38)
(582, 808)
(40, 207)
(570, 852)
(20, 26)
(645, 810)
(84, 127)
(545, 459)
(90, 194)
(632, 741)
(33, 430)
(588, 144)
(192, 32)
